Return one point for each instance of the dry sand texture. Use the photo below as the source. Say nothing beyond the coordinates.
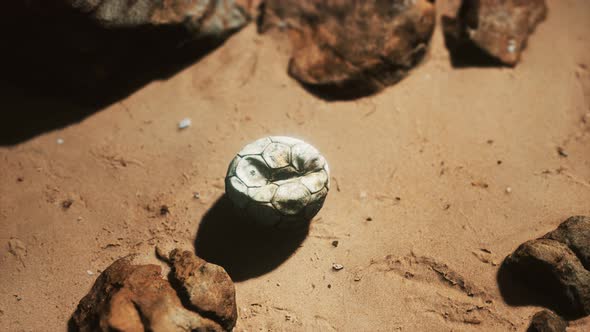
(419, 204)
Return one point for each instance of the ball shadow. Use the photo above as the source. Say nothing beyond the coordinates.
(228, 238)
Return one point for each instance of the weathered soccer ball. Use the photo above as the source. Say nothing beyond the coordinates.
(278, 181)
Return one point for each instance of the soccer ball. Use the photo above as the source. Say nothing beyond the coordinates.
(278, 181)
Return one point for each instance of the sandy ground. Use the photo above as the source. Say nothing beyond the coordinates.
(420, 173)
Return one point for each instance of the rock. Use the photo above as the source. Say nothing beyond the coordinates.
(207, 286)
(345, 49)
(575, 233)
(494, 29)
(547, 321)
(553, 269)
(127, 297)
(202, 18)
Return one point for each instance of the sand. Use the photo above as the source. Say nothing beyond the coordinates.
(419, 206)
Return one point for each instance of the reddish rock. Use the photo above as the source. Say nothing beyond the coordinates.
(127, 297)
(575, 233)
(346, 48)
(497, 29)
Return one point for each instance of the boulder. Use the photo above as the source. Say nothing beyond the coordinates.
(556, 266)
(127, 297)
(345, 49)
(490, 30)
(547, 321)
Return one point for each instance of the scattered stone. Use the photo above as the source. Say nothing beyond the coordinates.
(196, 196)
(59, 141)
(127, 297)
(67, 203)
(90, 273)
(337, 267)
(184, 123)
(508, 190)
(556, 265)
(547, 321)
(369, 219)
(335, 243)
(561, 152)
(346, 49)
(20, 179)
(164, 210)
(490, 29)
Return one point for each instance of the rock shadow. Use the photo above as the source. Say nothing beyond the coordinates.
(59, 69)
(228, 238)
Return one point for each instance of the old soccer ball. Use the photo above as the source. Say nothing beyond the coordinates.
(278, 181)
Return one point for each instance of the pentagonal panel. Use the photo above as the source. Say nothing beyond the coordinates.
(264, 214)
(262, 194)
(255, 147)
(290, 141)
(306, 158)
(291, 198)
(237, 191)
(315, 181)
(253, 171)
(231, 170)
(277, 155)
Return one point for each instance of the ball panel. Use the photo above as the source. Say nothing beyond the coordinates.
(316, 203)
(253, 171)
(290, 141)
(255, 147)
(306, 158)
(291, 198)
(315, 181)
(264, 214)
(231, 170)
(263, 194)
(280, 175)
(277, 155)
(237, 191)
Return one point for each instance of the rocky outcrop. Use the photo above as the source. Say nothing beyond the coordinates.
(494, 29)
(127, 297)
(343, 48)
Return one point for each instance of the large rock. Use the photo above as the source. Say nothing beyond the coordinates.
(346, 48)
(128, 297)
(547, 321)
(551, 266)
(498, 29)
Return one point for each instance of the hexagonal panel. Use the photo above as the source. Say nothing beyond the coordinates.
(264, 214)
(231, 170)
(253, 171)
(263, 194)
(290, 141)
(237, 191)
(277, 155)
(291, 198)
(306, 158)
(315, 181)
(255, 147)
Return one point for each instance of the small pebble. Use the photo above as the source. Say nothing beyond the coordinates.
(561, 152)
(89, 272)
(334, 244)
(508, 190)
(337, 267)
(184, 123)
(60, 141)
(79, 219)
(197, 195)
(369, 219)
(363, 195)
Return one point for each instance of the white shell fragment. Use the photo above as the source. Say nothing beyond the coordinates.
(184, 123)
(278, 181)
